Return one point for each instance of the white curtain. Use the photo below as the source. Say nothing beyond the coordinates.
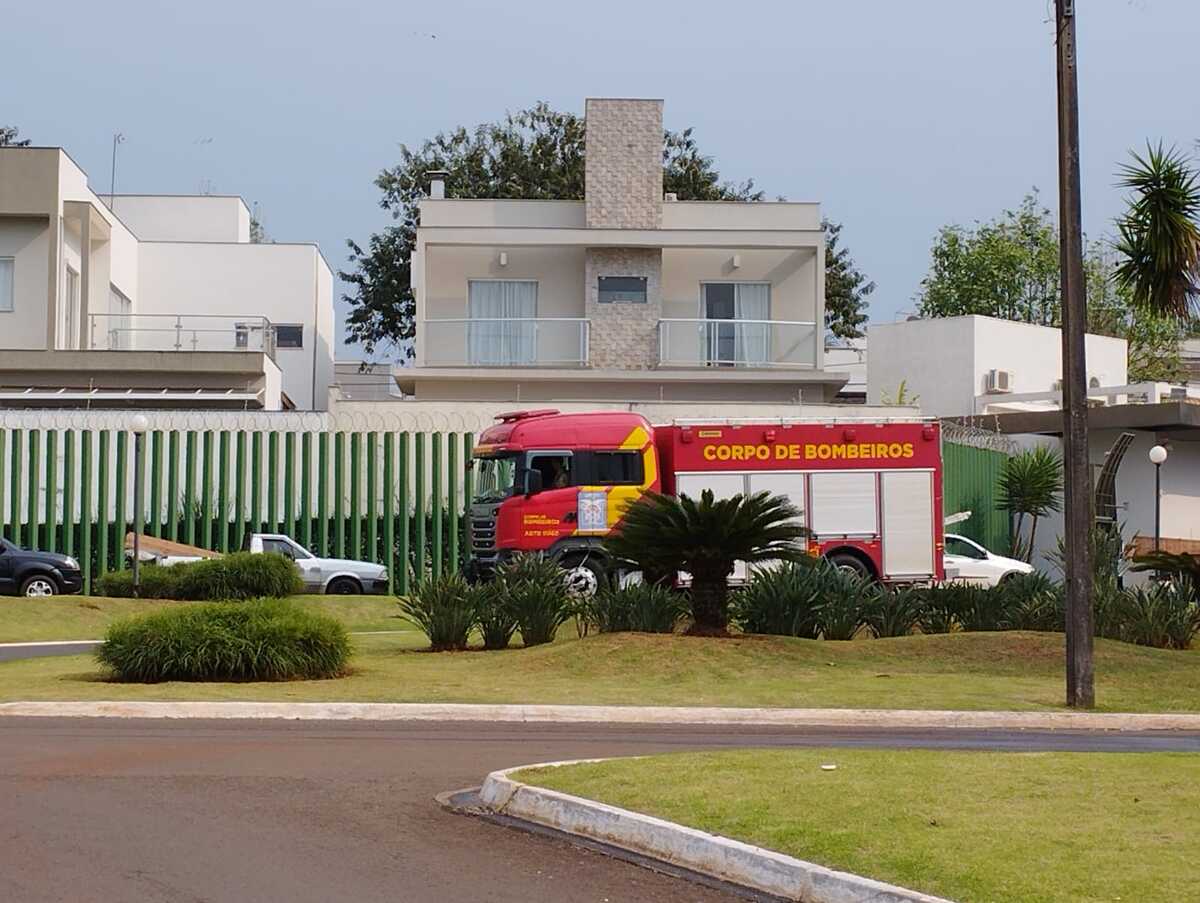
(500, 340)
(752, 341)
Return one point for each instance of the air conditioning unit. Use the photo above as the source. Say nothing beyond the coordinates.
(1179, 393)
(999, 382)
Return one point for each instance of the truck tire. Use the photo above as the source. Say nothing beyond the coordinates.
(851, 563)
(584, 574)
(343, 586)
(39, 585)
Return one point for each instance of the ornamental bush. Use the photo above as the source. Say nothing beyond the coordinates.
(445, 609)
(240, 575)
(638, 607)
(534, 593)
(252, 640)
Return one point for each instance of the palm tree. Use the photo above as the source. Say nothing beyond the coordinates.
(1030, 485)
(663, 535)
(1159, 236)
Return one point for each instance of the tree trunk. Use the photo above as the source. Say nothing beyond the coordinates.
(1032, 536)
(710, 601)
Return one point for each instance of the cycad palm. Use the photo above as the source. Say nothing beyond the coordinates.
(1159, 236)
(662, 534)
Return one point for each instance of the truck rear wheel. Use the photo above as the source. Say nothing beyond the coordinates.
(584, 574)
(850, 563)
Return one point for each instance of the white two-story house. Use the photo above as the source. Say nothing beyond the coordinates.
(625, 296)
(151, 300)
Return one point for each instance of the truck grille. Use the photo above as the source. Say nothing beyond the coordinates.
(483, 534)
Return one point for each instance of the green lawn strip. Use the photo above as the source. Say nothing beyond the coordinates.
(25, 620)
(961, 671)
(971, 826)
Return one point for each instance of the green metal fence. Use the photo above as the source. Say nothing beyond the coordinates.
(970, 478)
(393, 498)
(396, 498)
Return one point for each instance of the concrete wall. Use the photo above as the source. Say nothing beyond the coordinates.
(283, 283)
(184, 218)
(557, 271)
(791, 274)
(946, 361)
(623, 163)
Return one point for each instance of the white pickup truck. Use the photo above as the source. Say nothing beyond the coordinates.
(334, 576)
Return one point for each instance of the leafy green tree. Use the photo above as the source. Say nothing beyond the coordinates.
(1006, 268)
(8, 137)
(846, 289)
(536, 153)
(1030, 485)
(1159, 236)
(662, 535)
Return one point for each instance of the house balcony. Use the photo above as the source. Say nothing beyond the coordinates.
(180, 332)
(753, 344)
(552, 342)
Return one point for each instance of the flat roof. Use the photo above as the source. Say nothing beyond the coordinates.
(1178, 419)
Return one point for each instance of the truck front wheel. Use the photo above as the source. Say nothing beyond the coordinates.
(584, 574)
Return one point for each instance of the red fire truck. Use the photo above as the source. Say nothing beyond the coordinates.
(870, 492)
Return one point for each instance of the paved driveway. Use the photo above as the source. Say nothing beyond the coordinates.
(114, 810)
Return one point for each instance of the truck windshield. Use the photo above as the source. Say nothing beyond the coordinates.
(494, 478)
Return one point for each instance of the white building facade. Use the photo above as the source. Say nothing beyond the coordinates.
(152, 300)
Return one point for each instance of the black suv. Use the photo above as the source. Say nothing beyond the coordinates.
(30, 573)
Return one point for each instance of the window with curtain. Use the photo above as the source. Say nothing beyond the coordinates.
(505, 333)
(7, 300)
(737, 343)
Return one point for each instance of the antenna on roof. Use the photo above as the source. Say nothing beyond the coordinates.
(118, 138)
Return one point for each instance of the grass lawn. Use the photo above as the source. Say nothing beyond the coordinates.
(970, 826)
(85, 617)
(957, 671)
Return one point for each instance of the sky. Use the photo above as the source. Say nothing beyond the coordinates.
(898, 117)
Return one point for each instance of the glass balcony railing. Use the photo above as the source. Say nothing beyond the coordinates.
(180, 332)
(517, 342)
(737, 343)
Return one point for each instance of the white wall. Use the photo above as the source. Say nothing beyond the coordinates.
(184, 218)
(26, 240)
(946, 361)
(286, 283)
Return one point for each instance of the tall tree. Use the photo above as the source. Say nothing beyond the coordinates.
(536, 153)
(8, 137)
(846, 288)
(1006, 268)
(1159, 236)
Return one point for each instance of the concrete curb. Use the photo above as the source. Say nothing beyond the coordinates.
(599, 714)
(48, 643)
(718, 857)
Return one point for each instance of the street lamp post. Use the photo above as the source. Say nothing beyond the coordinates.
(139, 424)
(1158, 455)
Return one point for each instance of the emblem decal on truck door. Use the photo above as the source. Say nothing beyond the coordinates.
(593, 510)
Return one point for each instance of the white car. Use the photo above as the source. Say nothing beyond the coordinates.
(969, 562)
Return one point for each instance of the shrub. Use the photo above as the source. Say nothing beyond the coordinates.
(639, 607)
(535, 595)
(261, 639)
(896, 612)
(969, 606)
(1032, 602)
(1165, 615)
(495, 619)
(156, 583)
(844, 598)
(239, 575)
(781, 601)
(444, 609)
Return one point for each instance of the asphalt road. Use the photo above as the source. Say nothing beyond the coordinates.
(13, 651)
(113, 810)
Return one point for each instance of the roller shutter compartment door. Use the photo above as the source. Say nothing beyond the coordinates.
(843, 504)
(908, 524)
(723, 486)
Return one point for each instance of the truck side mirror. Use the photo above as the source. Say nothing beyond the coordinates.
(533, 482)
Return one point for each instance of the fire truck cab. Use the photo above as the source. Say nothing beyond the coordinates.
(870, 493)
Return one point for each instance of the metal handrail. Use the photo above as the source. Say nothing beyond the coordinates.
(709, 328)
(737, 321)
(183, 330)
(575, 360)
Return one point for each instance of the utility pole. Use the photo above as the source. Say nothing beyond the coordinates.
(1077, 482)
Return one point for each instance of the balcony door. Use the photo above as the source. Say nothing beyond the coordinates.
(501, 327)
(733, 333)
